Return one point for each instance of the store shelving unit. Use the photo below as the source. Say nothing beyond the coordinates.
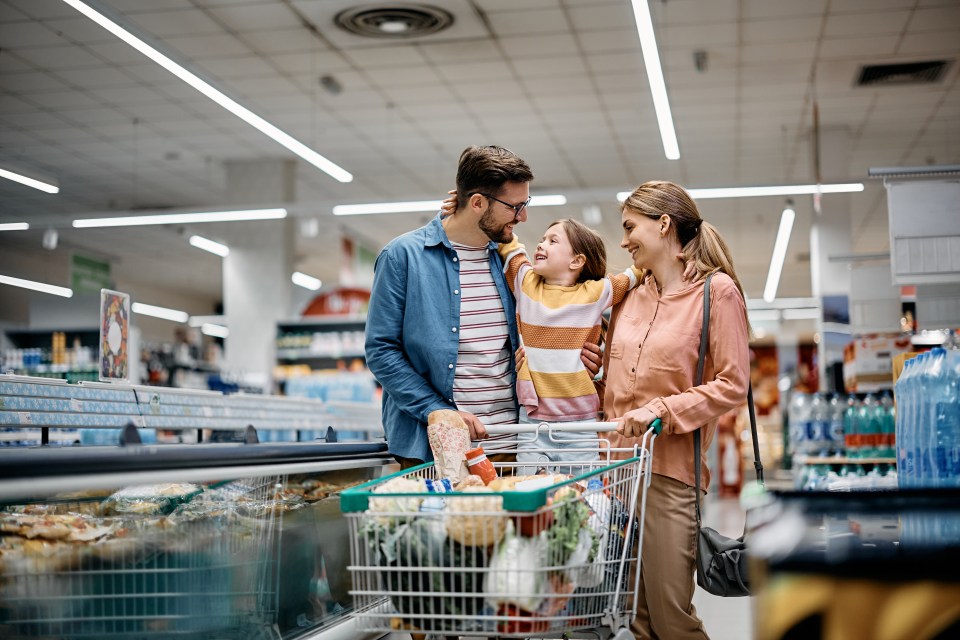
(320, 341)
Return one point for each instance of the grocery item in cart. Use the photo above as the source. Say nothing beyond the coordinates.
(476, 522)
(152, 499)
(449, 440)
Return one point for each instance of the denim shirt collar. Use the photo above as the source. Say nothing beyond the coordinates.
(436, 234)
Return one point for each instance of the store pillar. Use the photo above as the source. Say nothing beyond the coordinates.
(256, 274)
(831, 237)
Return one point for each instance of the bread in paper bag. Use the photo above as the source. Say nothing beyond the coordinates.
(449, 440)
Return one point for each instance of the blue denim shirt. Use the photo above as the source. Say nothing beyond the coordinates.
(412, 333)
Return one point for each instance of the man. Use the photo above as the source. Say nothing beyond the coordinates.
(441, 329)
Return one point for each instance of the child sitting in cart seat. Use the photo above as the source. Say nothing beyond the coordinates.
(561, 297)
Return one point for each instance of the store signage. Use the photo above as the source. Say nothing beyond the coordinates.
(88, 275)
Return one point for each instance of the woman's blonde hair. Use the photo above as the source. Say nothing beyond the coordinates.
(699, 239)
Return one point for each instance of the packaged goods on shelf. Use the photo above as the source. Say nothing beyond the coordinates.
(868, 360)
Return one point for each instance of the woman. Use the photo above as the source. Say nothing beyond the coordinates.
(649, 368)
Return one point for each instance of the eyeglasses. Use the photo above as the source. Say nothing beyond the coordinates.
(517, 208)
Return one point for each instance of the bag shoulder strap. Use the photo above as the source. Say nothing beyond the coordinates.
(704, 342)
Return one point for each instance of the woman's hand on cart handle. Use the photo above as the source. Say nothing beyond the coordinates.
(477, 430)
(634, 423)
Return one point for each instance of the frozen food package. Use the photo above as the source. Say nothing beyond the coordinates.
(449, 440)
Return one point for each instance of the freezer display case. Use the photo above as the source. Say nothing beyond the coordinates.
(857, 565)
(208, 540)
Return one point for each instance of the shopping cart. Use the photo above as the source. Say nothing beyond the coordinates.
(551, 561)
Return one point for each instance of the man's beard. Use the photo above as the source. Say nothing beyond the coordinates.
(495, 233)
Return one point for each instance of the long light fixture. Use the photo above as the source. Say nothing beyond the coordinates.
(427, 205)
(14, 226)
(28, 181)
(37, 286)
(206, 244)
(159, 312)
(182, 218)
(774, 190)
(658, 88)
(779, 252)
(215, 330)
(305, 281)
(285, 139)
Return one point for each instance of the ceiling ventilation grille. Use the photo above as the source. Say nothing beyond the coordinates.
(902, 73)
(393, 21)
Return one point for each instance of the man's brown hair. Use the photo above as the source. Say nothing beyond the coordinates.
(487, 169)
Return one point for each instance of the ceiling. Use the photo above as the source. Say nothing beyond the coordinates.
(561, 82)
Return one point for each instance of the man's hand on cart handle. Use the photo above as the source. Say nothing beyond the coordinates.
(477, 430)
(634, 423)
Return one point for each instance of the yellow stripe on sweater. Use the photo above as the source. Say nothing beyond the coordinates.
(555, 296)
(562, 385)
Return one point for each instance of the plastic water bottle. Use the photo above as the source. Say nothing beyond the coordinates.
(946, 402)
(867, 423)
(799, 415)
(835, 429)
(903, 408)
(851, 436)
(817, 425)
(886, 415)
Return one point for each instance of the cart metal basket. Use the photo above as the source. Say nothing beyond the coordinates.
(553, 561)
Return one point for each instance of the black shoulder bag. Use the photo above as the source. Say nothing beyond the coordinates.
(721, 561)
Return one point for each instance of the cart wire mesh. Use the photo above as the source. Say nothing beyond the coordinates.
(558, 561)
(203, 571)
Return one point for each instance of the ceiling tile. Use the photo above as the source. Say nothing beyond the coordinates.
(698, 36)
(97, 77)
(454, 52)
(392, 56)
(939, 43)
(234, 67)
(858, 48)
(757, 9)
(32, 82)
(936, 18)
(44, 9)
(783, 30)
(80, 29)
(404, 77)
(15, 35)
(519, 23)
(160, 24)
(609, 16)
(280, 41)
(878, 23)
(65, 57)
(522, 47)
(507, 5)
(608, 41)
(268, 15)
(207, 45)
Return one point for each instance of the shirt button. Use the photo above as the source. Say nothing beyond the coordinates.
(456, 259)
(456, 292)
(450, 400)
(449, 366)
(633, 370)
(454, 329)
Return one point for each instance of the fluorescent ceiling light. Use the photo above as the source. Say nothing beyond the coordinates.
(427, 205)
(215, 330)
(779, 190)
(200, 242)
(159, 312)
(779, 253)
(30, 182)
(651, 59)
(285, 139)
(196, 321)
(183, 218)
(14, 226)
(305, 281)
(37, 286)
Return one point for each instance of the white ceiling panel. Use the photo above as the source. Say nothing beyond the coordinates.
(23, 33)
(522, 23)
(162, 24)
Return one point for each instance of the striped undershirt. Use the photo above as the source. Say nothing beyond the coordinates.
(483, 381)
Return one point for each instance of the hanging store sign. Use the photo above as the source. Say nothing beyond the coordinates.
(88, 275)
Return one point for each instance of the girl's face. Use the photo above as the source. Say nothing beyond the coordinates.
(641, 237)
(554, 259)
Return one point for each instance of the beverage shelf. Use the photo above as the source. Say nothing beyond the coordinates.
(843, 460)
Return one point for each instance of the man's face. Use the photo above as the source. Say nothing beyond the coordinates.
(498, 220)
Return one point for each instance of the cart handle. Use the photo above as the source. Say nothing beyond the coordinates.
(535, 427)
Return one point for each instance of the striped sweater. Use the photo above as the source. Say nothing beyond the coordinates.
(555, 322)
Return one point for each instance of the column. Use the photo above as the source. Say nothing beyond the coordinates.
(257, 291)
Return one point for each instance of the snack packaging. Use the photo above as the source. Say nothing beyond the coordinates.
(474, 522)
(449, 440)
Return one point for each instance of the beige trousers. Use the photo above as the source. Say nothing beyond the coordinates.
(665, 608)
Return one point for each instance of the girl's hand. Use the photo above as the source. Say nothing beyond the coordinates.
(634, 423)
(520, 356)
(449, 206)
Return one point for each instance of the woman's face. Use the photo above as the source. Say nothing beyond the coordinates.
(641, 238)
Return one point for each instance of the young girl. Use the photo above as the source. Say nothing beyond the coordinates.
(561, 296)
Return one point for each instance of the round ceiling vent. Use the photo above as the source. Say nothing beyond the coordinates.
(393, 21)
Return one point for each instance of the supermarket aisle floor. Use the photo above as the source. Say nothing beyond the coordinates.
(724, 618)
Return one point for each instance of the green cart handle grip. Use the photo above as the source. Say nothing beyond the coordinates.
(656, 425)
